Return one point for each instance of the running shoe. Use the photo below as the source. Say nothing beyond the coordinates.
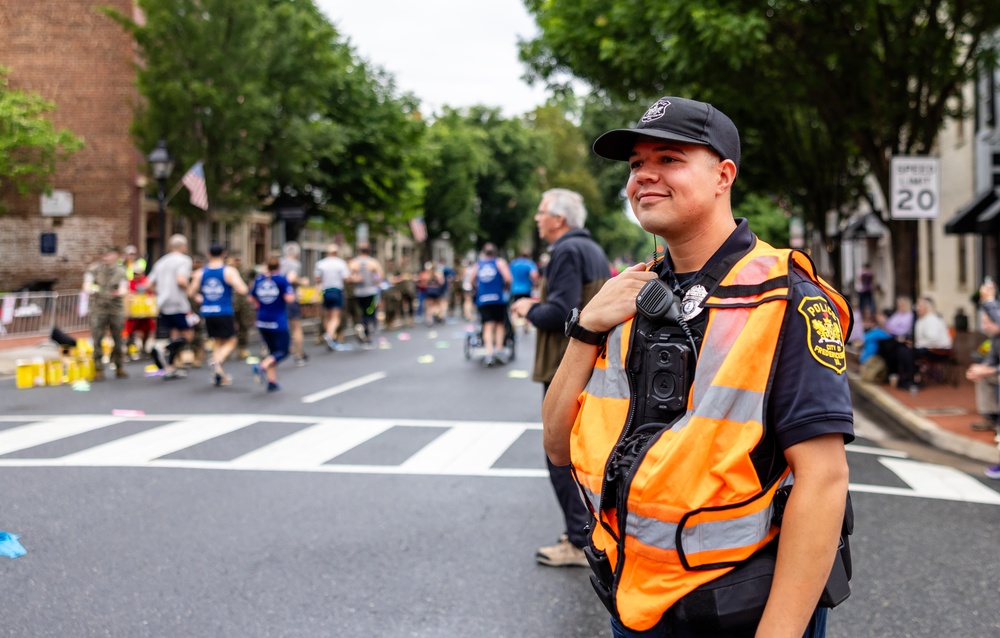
(175, 374)
(359, 330)
(300, 362)
(272, 387)
(258, 373)
(158, 358)
(330, 343)
(993, 472)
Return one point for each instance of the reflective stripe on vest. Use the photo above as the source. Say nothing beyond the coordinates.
(695, 500)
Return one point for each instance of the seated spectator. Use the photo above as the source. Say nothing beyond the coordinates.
(931, 342)
(873, 336)
(984, 373)
(900, 322)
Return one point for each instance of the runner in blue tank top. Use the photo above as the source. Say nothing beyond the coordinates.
(213, 285)
(491, 278)
(272, 294)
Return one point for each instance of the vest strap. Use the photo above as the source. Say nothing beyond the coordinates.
(750, 290)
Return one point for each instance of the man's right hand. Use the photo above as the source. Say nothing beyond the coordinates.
(615, 302)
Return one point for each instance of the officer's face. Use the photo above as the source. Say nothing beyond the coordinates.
(672, 185)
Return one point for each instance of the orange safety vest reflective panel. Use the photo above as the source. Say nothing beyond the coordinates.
(695, 504)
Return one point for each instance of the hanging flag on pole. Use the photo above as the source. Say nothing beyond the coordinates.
(418, 229)
(194, 180)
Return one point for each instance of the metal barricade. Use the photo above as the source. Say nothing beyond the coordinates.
(66, 313)
(30, 314)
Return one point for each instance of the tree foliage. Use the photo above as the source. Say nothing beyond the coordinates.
(30, 144)
(824, 90)
(278, 106)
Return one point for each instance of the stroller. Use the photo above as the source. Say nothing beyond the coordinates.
(474, 342)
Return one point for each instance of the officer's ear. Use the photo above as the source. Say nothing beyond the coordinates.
(726, 171)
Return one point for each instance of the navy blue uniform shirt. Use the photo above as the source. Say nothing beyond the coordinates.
(807, 399)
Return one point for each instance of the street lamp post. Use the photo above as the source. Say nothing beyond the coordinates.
(162, 165)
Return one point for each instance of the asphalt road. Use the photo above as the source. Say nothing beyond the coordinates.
(394, 492)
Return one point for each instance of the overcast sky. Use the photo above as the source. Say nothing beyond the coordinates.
(447, 52)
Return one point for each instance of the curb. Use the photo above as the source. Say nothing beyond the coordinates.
(922, 428)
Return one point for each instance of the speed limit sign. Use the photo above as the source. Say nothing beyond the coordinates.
(916, 187)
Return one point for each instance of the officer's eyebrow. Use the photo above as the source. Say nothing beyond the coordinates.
(663, 147)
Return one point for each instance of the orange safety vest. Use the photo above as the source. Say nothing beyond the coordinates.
(696, 505)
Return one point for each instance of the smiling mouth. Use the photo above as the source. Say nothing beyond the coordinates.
(645, 196)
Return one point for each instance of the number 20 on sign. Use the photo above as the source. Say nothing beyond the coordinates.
(916, 187)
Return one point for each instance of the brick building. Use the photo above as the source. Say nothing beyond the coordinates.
(74, 55)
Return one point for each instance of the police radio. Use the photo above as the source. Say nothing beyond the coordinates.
(670, 352)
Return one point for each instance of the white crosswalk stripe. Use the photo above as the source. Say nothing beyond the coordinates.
(51, 429)
(466, 448)
(156, 442)
(313, 446)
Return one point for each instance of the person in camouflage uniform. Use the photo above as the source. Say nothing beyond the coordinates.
(107, 283)
(243, 310)
(197, 343)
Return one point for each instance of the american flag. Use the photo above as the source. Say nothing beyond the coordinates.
(194, 180)
(418, 229)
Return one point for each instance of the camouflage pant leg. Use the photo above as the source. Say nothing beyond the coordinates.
(102, 321)
(246, 316)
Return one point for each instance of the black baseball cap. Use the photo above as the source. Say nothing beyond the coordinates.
(676, 119)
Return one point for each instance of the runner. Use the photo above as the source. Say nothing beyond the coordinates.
(272, 294)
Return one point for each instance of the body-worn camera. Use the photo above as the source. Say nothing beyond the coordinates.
(667, 376)
(664, 355)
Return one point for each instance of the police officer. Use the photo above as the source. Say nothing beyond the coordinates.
(107, 284)
(711, 404)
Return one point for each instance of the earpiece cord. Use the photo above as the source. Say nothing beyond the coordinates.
(679, 294)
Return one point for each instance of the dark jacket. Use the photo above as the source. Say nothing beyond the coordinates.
(577, 269)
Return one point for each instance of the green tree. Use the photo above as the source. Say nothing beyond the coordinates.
(507, 190)
(281, 109)
(30, 145)
(861, 79)
(455, 157)
(571, 165)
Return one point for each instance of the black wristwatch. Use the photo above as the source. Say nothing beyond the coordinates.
(575, 331)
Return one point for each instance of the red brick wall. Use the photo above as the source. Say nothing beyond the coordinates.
(73, 55)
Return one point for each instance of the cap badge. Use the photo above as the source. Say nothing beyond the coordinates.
(656, 111)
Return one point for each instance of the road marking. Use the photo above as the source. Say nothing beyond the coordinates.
(313, 446)
(160, 441)
(877, 451)
(343, 387)
(51, 429)
(464, 448)
(938, 481)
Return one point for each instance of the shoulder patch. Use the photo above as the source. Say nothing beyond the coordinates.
(825, 340)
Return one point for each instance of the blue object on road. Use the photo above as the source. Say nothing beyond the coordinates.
(9, 546)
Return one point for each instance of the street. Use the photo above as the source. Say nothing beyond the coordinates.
(394, 492)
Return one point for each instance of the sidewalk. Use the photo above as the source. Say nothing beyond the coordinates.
(939, 414)
(28, 348)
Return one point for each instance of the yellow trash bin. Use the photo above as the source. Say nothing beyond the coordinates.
(54, 372)
(25, 374)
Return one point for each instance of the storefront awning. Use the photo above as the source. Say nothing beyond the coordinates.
(970, 218)
(867, 225)
(988, 222)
